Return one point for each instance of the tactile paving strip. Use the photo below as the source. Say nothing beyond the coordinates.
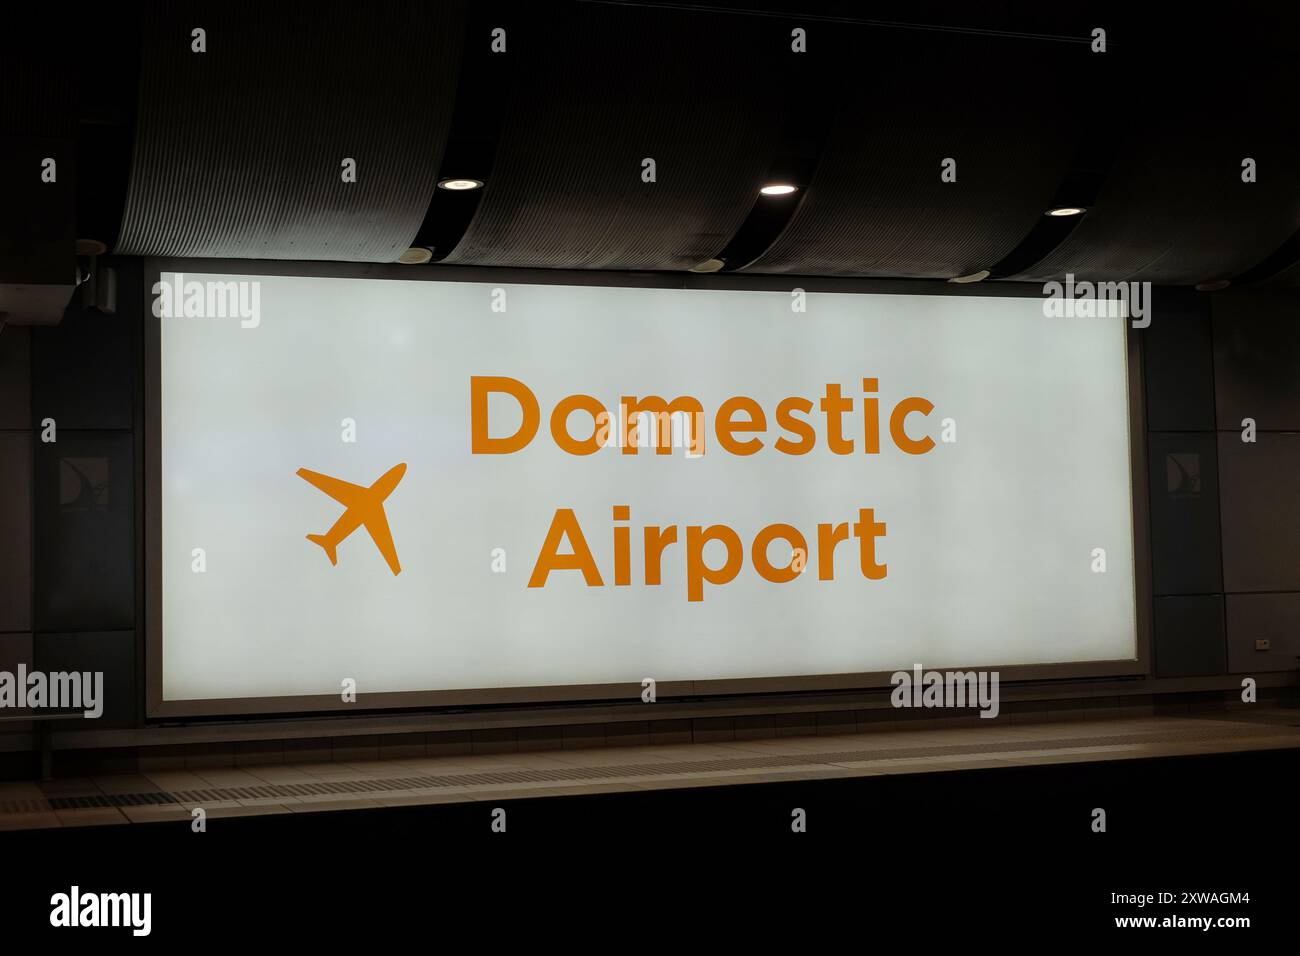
(577, 774)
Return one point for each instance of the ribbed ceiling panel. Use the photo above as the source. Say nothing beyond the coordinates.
(239, 150)
(601, 88)
(1286, 278)
(908, 100)
(1175, 209)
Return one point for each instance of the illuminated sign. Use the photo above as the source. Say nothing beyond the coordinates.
(594, 485)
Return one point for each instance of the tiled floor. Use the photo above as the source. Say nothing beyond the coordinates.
(308, 787)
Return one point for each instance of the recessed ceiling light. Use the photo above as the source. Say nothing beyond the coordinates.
(1214, 285)
(708, 265)
(973, 277)
(1067, 211)
(778, 189)
(460, 185)
(415, 256)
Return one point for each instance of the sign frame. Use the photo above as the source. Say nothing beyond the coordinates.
(156, 707)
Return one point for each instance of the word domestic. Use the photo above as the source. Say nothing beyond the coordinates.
(60, 690)
(735, 417)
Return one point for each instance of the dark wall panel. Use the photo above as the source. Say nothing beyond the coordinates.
(111, 653)
(83, 370)
(1261, 511)
(15, 377)
(1274, 618)
(85, 532)
(15, 649)
(1257, 359)
(1189, 636)
(15, 530)
(1179, 362)
(1184, 490)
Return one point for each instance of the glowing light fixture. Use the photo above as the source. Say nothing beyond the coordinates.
(778, 189)
(708, 265)
(460, 185)
(1067, 211)
(415, 256)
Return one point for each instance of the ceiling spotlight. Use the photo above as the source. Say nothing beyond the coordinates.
(778, 189)
(973, 277)
(708, 265)
(1214, 285)
(415, 256)
(1067, 211)
(460, 185)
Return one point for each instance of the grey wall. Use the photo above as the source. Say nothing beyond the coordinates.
(15, 501)
(1186, 563)
(1257, 363)
(1225, 515)
(69, 593)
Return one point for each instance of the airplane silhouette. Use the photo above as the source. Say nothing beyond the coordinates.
(365, 506)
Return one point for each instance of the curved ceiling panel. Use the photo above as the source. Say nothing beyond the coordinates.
(240, 149)
(877, 204)
(1286, 278)
(1176, 212)
(598, 91)
(1175, 209)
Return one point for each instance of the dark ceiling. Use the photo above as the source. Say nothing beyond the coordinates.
(237, 151)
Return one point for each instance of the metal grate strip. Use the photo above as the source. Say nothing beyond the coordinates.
(618, 771)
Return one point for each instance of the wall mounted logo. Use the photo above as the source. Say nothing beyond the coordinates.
(1183, 474)
(365, 506)
(84, 484)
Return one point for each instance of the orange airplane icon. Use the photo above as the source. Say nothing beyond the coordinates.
(365, 506)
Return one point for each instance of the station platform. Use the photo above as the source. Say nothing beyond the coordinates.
(162, 796)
